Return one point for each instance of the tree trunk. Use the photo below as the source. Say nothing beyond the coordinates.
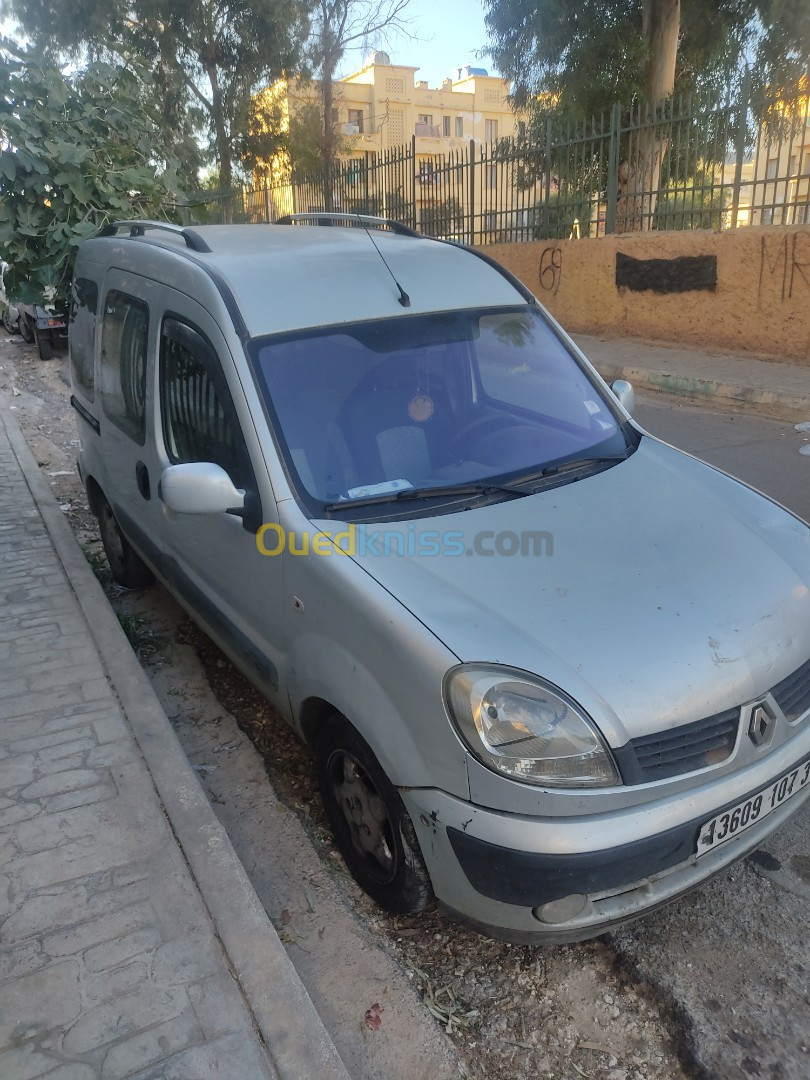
(223, 145)
(328, 148)
(640, 172)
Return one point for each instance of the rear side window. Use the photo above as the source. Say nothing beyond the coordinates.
(82, 333)
(124, 336)
(199, 421)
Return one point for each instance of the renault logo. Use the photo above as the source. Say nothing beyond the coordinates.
(762, 724)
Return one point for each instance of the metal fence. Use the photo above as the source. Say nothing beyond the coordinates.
(689, 164)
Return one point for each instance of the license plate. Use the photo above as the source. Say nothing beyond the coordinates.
(745, 814)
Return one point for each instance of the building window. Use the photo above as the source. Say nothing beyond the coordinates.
(424, 118)
(356, 118)
(490, 131)
(767, 216)
(802, 214)
(492, 177)
(793, 166)
(490, 221)
(459, 127)
(772, 168)
(426, 174)
(806, 163)
(446, 126)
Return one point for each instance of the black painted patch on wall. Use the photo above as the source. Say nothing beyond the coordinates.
(683, 274)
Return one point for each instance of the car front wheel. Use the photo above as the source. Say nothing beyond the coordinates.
(369, 820)
(126, 565)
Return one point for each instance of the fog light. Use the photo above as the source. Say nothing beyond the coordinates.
(558, 911)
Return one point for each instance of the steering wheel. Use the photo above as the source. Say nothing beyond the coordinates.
(481, 427)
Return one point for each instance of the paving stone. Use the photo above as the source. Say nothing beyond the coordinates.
(51, 744)
(109, 984)
(21, 960)
(36, 1003)
(149, 1046)
(123, 1016)
(103, 957)
(60, 783)
(186, 960)
(229, 1058)
(15, 771)
(73, 799)
(110, 927)
(27, 1063)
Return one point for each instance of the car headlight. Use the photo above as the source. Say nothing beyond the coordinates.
(518, 726)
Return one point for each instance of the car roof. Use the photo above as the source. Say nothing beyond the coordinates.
(291, 277)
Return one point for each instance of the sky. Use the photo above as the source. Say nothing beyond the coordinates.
(449, 33)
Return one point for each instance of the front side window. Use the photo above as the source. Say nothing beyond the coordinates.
(199, 422)
(124, 337)
(431, 401)
(82, 333)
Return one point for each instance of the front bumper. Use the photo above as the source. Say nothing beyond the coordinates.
(495, 870)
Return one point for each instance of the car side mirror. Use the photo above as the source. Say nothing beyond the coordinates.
(200, 487)
(625, 394)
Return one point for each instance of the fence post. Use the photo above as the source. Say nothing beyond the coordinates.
(415, 215)
(739, 144)
(612, 191)
(547, 175)
(472, 192)
(266, 202)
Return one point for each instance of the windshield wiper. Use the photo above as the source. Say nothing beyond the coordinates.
(477, 487)
(516, 488)
(581, 463)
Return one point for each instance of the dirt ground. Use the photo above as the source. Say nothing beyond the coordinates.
(625, 1007)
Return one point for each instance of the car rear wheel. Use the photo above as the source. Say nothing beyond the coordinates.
(26, 328)
(44, 344)
(126, 566)
(370, 823)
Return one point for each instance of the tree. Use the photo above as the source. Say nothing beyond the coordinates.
(580, 58)
(337, 25)
(75, 153)
(584, 55)
(208, 57)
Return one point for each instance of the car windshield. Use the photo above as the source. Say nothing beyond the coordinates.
(430, 402)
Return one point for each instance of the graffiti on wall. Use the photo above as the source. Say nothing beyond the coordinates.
(550, 269)
(784, 265)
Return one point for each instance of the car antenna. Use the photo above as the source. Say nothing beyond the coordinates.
(404, 299)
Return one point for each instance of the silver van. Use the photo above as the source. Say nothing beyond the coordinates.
(552, 671)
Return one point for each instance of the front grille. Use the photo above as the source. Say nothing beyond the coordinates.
(682, 749)
(793, 693)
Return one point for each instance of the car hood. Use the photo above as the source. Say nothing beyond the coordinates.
(668, 591)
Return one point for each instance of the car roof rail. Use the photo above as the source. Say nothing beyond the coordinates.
(329, 218)
(138, 227)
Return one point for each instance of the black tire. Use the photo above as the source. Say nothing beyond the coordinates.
(7, 322)
(371, 826)
(44, 344)
(26, 328)
(127, 567)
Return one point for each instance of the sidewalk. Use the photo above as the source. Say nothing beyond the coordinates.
(723, 380)
(131, 942)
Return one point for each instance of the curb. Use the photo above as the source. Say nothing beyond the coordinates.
(295, 1039)
(778, 404)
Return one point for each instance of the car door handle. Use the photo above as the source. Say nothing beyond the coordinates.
(142, 480)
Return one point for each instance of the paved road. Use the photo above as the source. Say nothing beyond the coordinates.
(731, 958)
(762, 452)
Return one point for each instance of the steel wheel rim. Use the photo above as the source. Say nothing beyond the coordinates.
(113, 541)
(367, 819)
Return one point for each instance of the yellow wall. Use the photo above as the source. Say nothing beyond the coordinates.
(761, 303)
